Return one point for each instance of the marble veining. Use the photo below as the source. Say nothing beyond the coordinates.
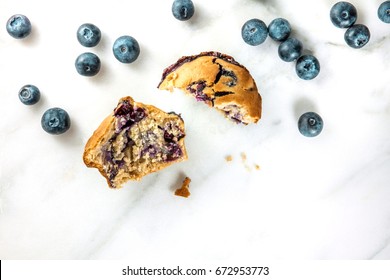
(279, 196)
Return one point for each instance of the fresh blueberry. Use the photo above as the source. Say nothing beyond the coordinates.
(310, 124)
(183, 9)
(87, 64)
(357, 36)
(126, 49)
(307, 67)
(290, 49)
(279, 29)
(384, 12)
(29, 94)
(19, 26)
(55, 121)
(254, 32)
(343, 14)
(88, 35)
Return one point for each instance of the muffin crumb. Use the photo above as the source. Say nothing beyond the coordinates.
(229, 158)
(243, 157)
(184, 190)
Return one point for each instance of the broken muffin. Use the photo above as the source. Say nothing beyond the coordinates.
(135, 140)
(219, 81)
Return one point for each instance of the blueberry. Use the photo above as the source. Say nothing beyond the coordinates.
(126, 49)
(29, 95)
(307, 67)
(88, 35)
(343, 14)
(55, 121)
(279, 29)
(310, 124)
(357, 36)
(254, 32)
(87, 64)
(290, 49)
(183, 9)
(19, 26)
(384, 12)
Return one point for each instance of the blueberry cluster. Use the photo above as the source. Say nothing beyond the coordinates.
(126, 50)
(344, 15)
(54, 120)
(254, 32)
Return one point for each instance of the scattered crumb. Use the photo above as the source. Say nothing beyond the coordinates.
(229, 158)
(184, 190)
(243, 157)
(244, 160)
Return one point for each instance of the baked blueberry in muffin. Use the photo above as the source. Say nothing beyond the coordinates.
(219, 81)
(135, 140)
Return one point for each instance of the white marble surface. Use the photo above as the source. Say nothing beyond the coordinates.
(322, 198)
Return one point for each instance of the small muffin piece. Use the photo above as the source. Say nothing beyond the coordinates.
(184, 190)
(135, 140)
(219, 81)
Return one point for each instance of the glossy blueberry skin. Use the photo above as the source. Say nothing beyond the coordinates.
(55, 121)
(343, 14)
(87, 64)
(88, 35)
(279, 29)
(310, 124)
(290, 49)
(126, 49)
(29, 95)
(307, 67)
(357, 36)
(18, 26)
(254, 32)
(384, 12)
(183, 9)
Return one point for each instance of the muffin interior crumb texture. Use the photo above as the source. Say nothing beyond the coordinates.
(138, 140)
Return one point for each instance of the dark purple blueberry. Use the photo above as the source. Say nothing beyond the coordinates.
(173, 151)
(172, 132)
(227, 73)
(197, 90)
(137, 114)
(127, 115)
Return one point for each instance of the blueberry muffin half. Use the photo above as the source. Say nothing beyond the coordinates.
(135, 140)
(219, 81)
